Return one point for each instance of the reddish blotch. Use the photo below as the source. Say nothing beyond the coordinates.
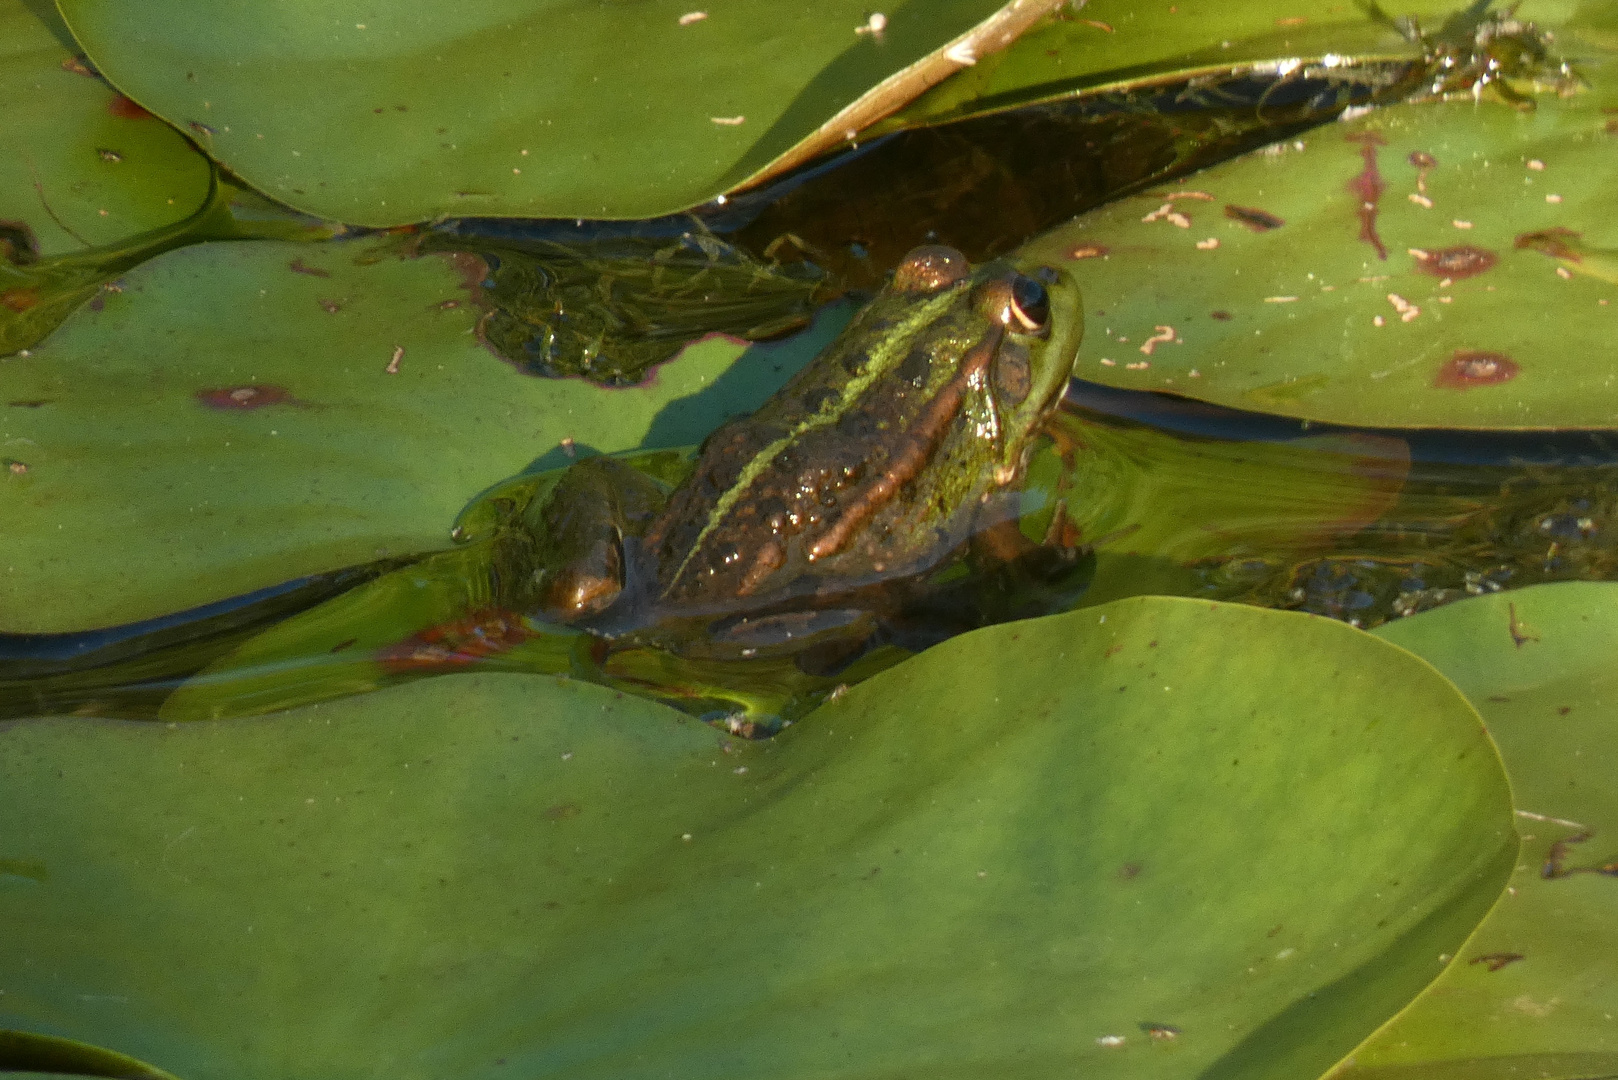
(253, 396)
(457, 644)
(1368, 187)
(1475, 367)
(1456, 262)
(125, 109)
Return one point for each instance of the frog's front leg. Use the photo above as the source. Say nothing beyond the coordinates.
(577, 532)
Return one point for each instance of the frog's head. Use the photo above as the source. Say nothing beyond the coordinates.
(1018, 329)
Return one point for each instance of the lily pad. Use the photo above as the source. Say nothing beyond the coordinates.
(1529, 995)
(82, 165)
(241, 414)
(382, 113)
(1074, 844)
(1377, 272)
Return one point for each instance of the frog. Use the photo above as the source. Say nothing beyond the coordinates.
(815, 524)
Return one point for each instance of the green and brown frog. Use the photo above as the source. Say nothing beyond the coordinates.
(806, 526)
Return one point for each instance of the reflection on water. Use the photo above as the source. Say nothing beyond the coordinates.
(1159, 495)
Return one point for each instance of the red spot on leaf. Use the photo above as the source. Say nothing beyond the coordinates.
(1367, 187)
(1474, 367)
(1456, 262)
(457, 644)
(253, 396)
(1220, 316)
(1254, 218)
(20, 299)
(125, 109)
(297, 267)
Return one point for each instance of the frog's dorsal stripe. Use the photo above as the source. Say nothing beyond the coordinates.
(921, 315)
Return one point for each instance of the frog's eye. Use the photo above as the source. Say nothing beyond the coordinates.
(1018, 303)
(930, 268)
(1030, 306)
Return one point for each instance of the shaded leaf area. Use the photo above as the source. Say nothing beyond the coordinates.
(608, 300)
(1529, 994)
(38, 293)
(1107, 42)
(241, 415)
(82, 165)
(384, 115)
(961, 867)
(1377, 273)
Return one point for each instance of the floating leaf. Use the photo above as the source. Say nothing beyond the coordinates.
(383, 114)
(242, 414)
(82, 165)
(1084, 843)
(43, 292)
(1529, 995)
(1375, 273)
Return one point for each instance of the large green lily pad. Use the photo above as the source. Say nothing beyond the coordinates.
(81, 165)
(382, 113)
(1084, 843)
(1531, 993)
(229, 420)
(1263, 290)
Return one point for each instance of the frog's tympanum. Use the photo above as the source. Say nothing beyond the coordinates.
(816, 522)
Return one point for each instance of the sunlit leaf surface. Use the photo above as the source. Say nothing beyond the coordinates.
(385, 113)
(1531, 992)
(1081, 844)
(241, 414)
(81, 165)
(1411, 268)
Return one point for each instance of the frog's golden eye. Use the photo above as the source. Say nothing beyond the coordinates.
(1030, 305)
(1017, 302)
(930, 268)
